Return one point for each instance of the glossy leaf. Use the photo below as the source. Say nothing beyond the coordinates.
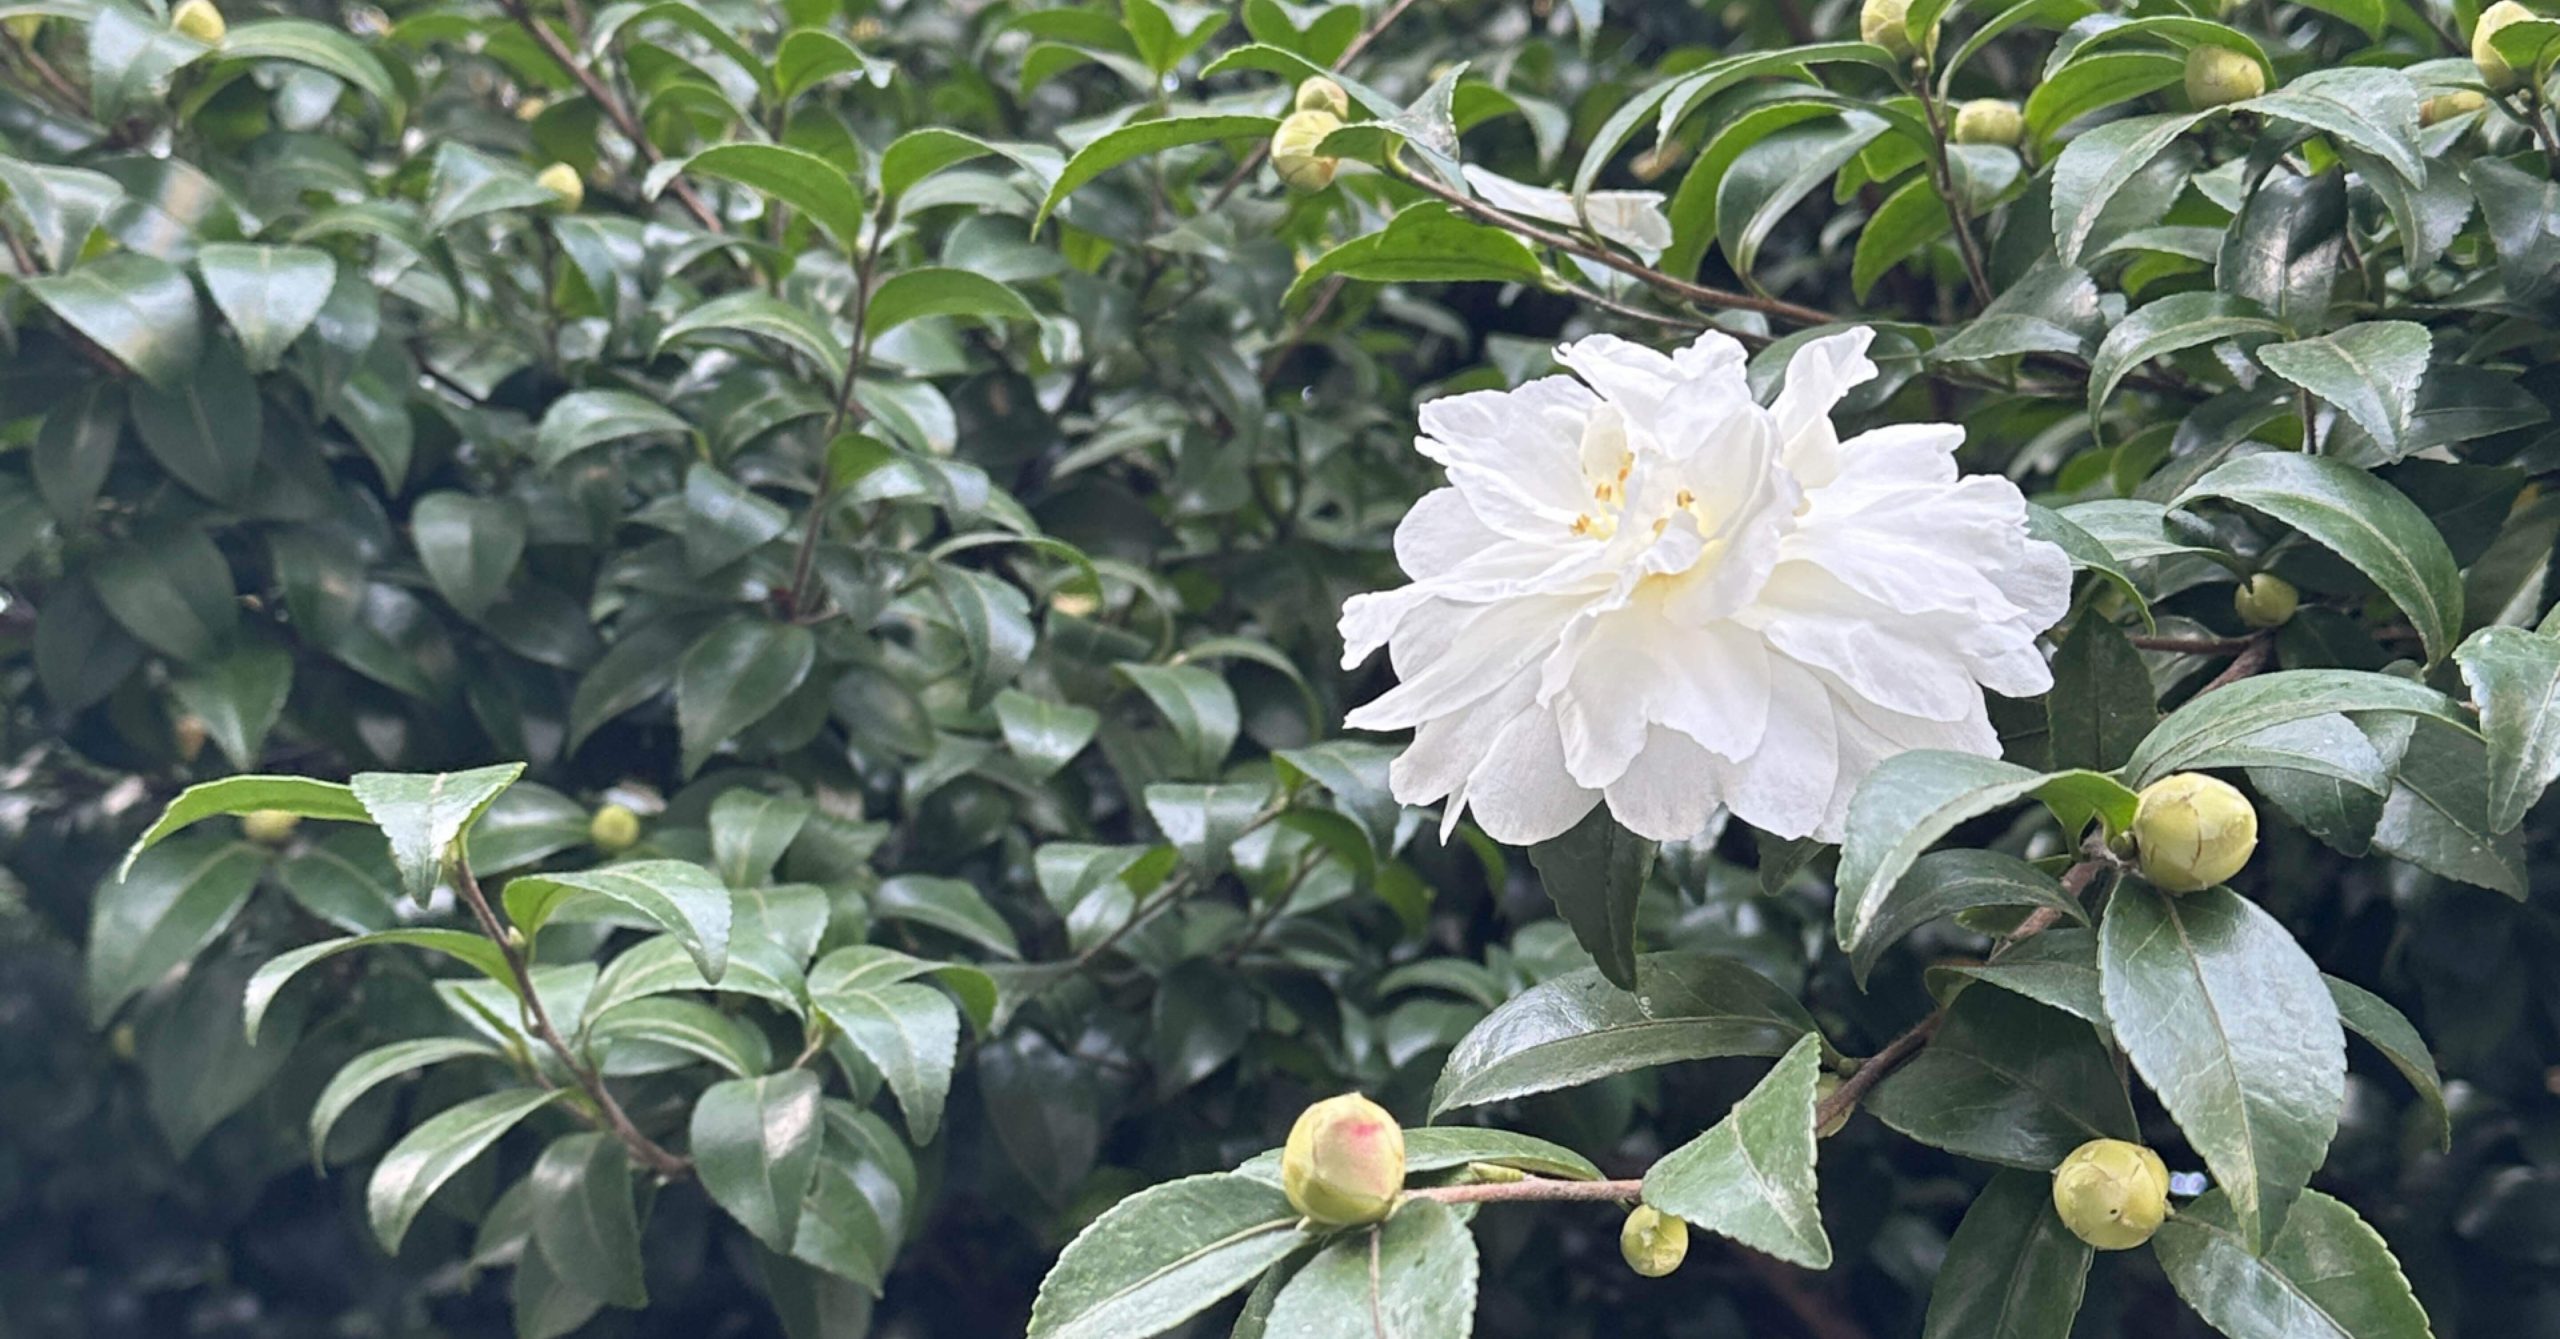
(2361, 519)
(426, 816)
(1750, 1177)
(1594, 874)
(2326, 1275)
(2012, 1270)
(679, 897)
(1163, 1255)
(444, 1144)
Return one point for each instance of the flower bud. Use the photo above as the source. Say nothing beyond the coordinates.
(2494, 69)
(562, 180)
(1344, 1162)
(2218, 76)
(2193, 831)
(1989, 121)
(2266, 601)
(269, 827)
(613, 830)
(1319, 94)
(1494, 1174)
(1293, 150)
(2112, 1194)
(200, 20)
(530, 106)
(1653, 1242)
(2446, 106)
(1884, 23)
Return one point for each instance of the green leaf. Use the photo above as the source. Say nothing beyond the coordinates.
(755, 1145)
(2095, 81)
(62, 206)
(682, 898)
(684, 1027)
(2326, 1275)
(1750, 1177)
(426, 815)
(1196, 701)
(1913, 799)
(73, 452)
(298, 795)
(2194, 734)
(1772, 177)
(207, 429)
(444, 1144)
(198, 1065)
(2012, 1270)
(2514, 676)
(2437, 815)
(2095, 166)
(725, 521)
(1204, 822)
(279, 971)
(164, 908)
(1162, 1256)
(1942, 883)
(469, 545)
(1594, 874)
(2371, 1017)
(2231, 1025)
(1044, 735)
(2057, 968)
(750, 830)
(467, 184)
(2101, 703)
(319, 47)
(581, 419)
(796, 177)
(579, 1193)
(2375, 110)
(379, 1066)
(132, 56)
(239, 696)
(172, 590)
(1579, 1027)
(2369, 370)
(1413, 1277)
(910, 1032)
(761, 314)
(2007, 1080)
(269, 294)
(734, 677)
(1115, 147)
(953, 906)
(2361, 519)
(2180, 321)
(938, 291)
(1425, 243)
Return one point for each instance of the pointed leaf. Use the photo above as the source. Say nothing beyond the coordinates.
(2012, 1270)
(1751, 1176)
(1413, 1277)
(2327, 1275)
(678, 896)
(1164, 1255)
(579, 1194)
(2361, 519)
(269, 294)
(425, 815)
(2515, 677)
(429, 1155)
(755, 1144)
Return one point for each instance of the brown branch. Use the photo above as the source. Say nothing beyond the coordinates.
(609, 1111)
(62, 89)
(1942, 178)
(2262, 648)
(1533, 1189)
(611, 106)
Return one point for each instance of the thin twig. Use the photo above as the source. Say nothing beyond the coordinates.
(846, 408)
(642, 1147)
(612, 106)
(1942, 178)
(62, 89)
(2262, 648)
(1535, 1188)
(2194, 646)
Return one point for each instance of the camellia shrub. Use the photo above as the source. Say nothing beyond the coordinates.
(1367, 669)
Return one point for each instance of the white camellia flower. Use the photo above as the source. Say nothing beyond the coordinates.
(1642, 587)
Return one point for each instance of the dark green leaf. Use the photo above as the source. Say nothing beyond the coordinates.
(2012, 1270)
(429, 1155)
(2326, 1275)
(1750, 1177)
(1163, 1255)
(2007, 1080)
(755, 1145)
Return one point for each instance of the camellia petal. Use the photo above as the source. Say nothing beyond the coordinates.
(1644, 589)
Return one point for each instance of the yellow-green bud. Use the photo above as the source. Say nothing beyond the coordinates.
(200, 20)
(531, 105)
(1885, 24)
(1494, 1174)
(1293, 150)
(613, 830)
(122, 1043)
(1344, 1162)
(2446, 106)
(1990, 121)
(269, 827)
(2112, 1194)
(2494, 69)
(1823, 1088)
(1653, 1242)
(1319, 94)
(2218, 75)
(2266, 601)
(2193, 831)
(562, 180)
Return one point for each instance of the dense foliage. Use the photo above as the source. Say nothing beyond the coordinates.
(787, 558)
